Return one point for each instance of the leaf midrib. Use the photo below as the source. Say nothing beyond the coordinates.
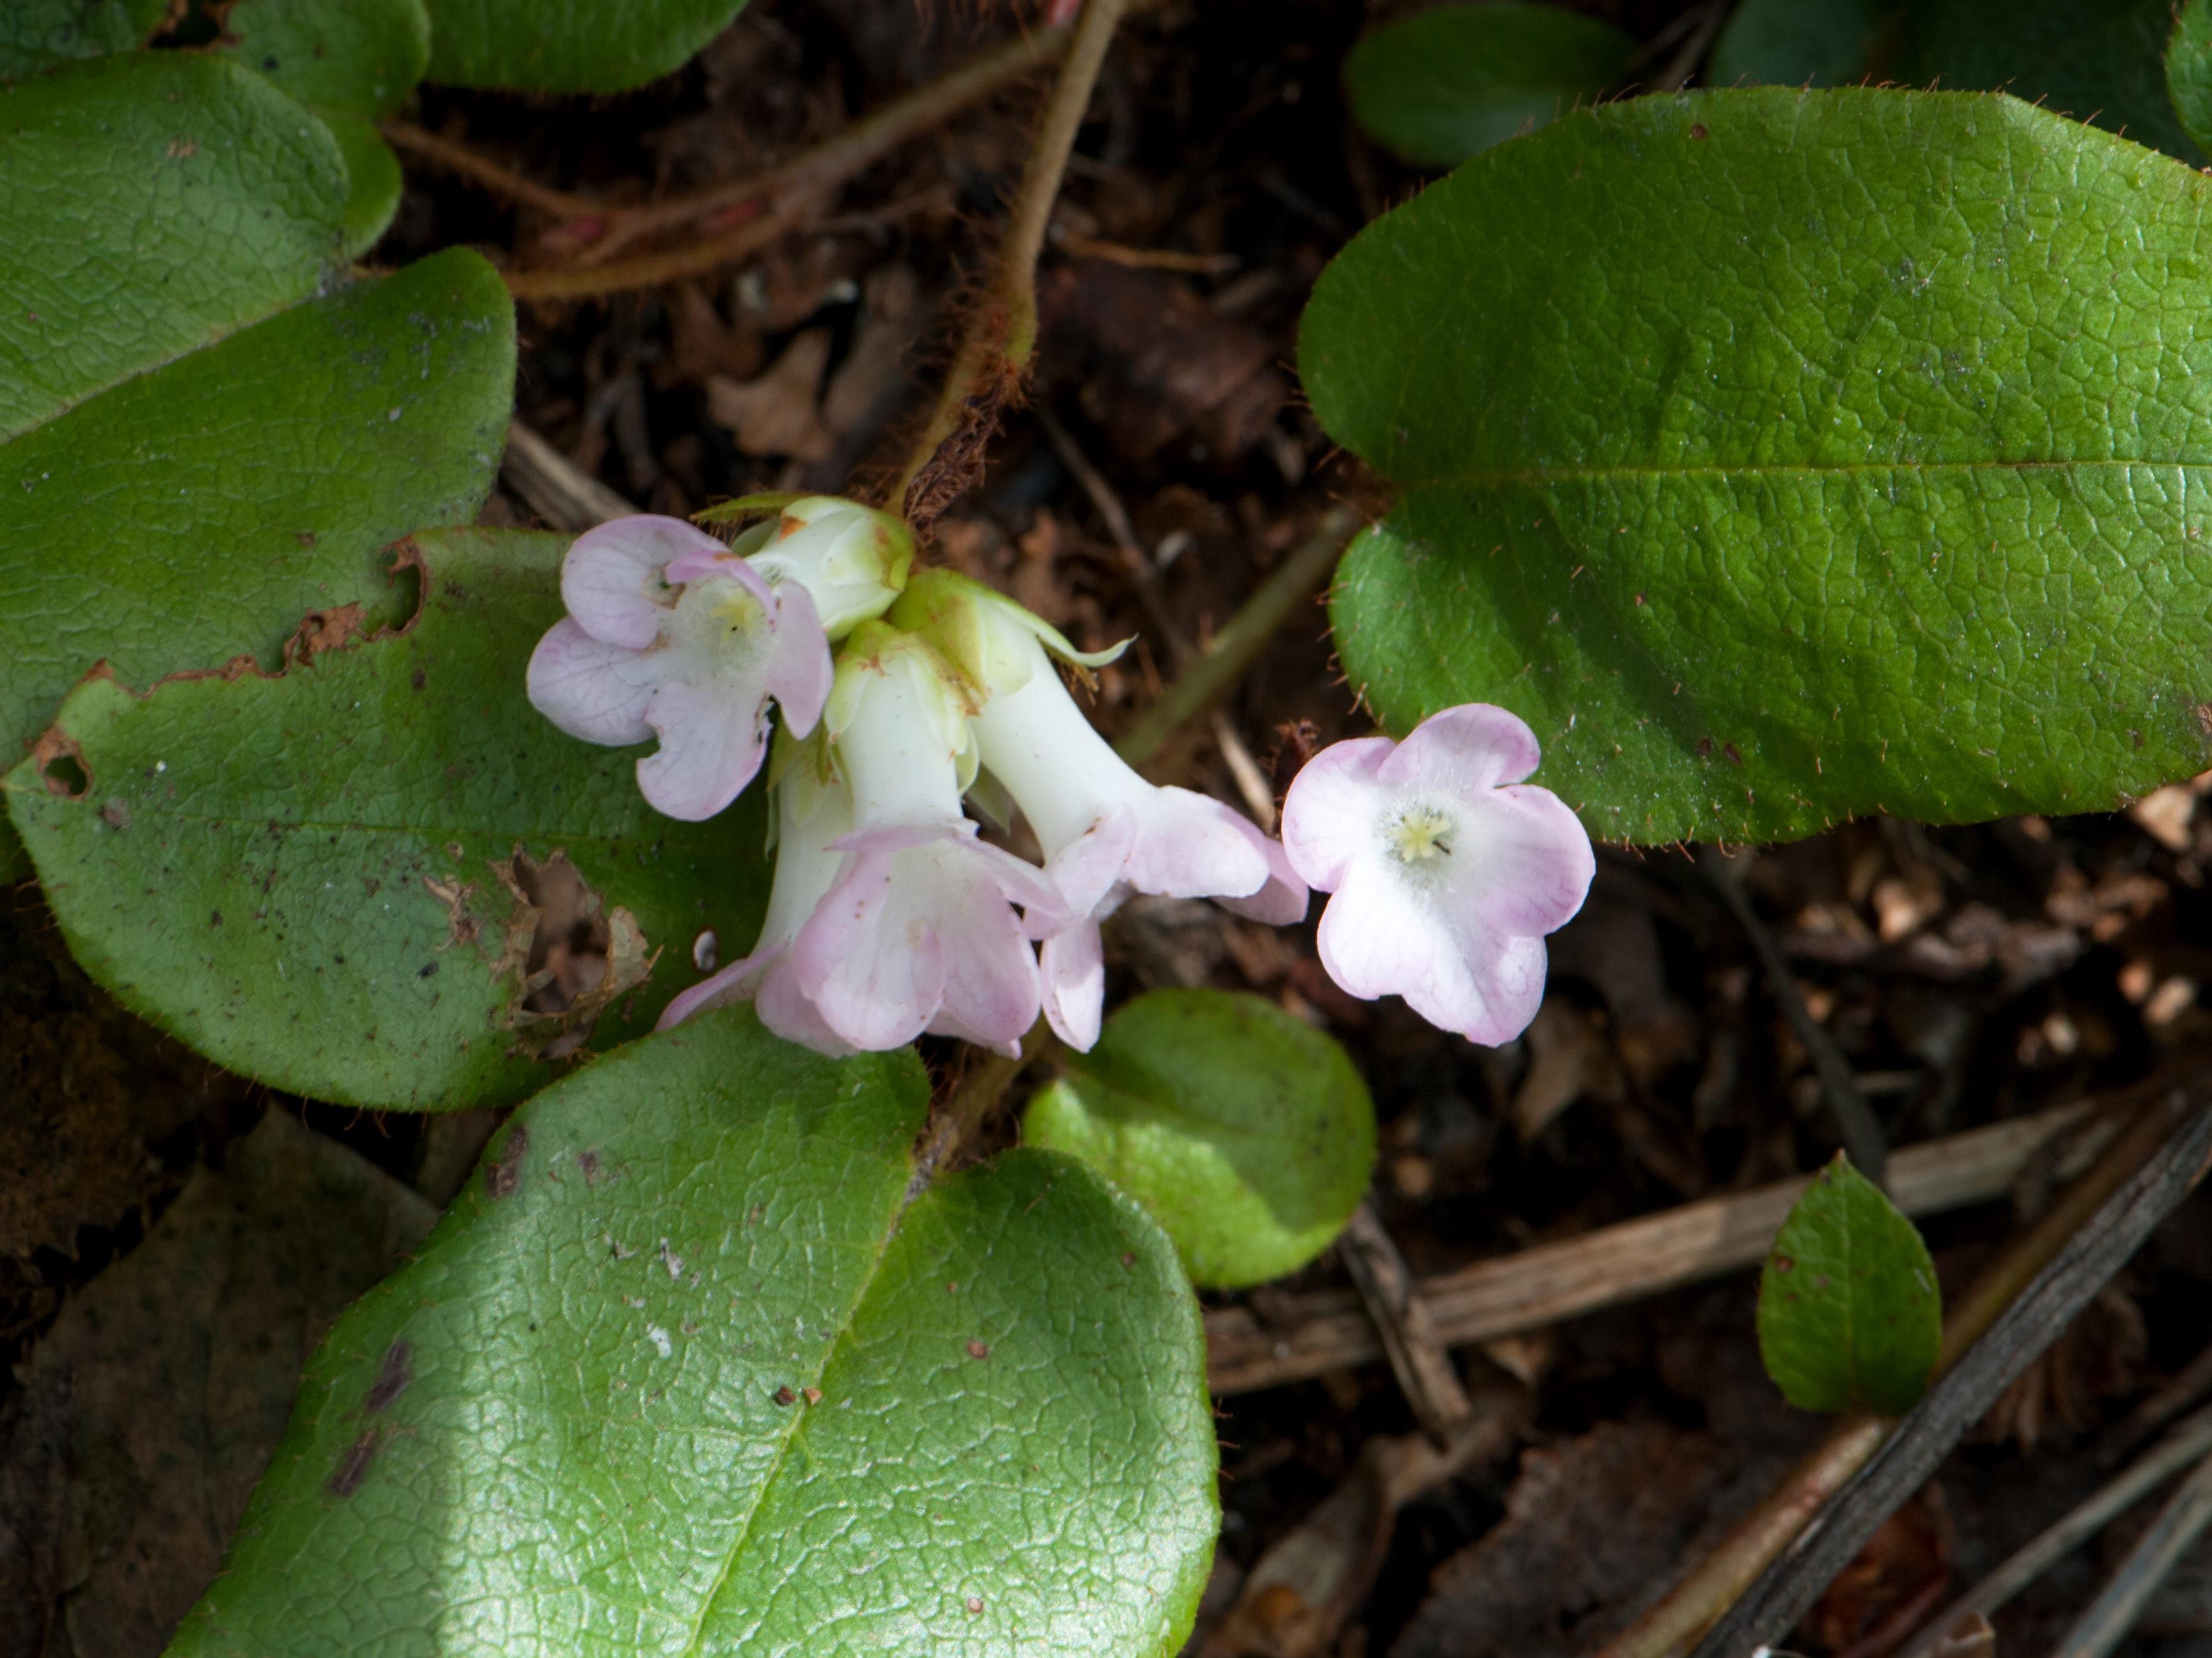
(1493, 477)
(903, 1200)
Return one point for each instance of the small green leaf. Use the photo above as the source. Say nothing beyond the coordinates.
(1794, 42)
(208, 428)
(1246, 1134)
(35, 34)
(310, 878)
(1850, 1317)
(2096, 60)
(530, 47)
(1830, 453)
(2189, 70)
(683, 1371)
(1438, 86)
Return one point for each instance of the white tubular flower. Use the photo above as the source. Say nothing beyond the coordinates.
(1104, 830)
(919, 930)
(670, 634)
(851, 559)
(1447, 870)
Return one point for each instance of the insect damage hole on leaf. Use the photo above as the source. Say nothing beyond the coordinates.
(572, 957)
(61, 764)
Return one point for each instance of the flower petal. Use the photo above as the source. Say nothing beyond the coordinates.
(875, 983)
(1191, 846)
(1379, 937)
(612, 578)
(1462, 751)
(799, 670)
(1535, 859)
(1072, 965)
(1329, 816)
(712, 738)
(785, 1010)
(591, 689)
(1283, 902)
(992, 993)
(730, 985)
(1089, 867)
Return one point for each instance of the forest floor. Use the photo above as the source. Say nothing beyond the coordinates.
(169, 1250)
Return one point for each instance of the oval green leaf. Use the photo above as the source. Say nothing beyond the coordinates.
(207, 427)
(1850, 1317)
(2096, 60)
(1436, 87)
(529, 47)
(2189, 70)
(36, 34)
(684, 1370)
(1794, 42)
(353, 62)
(1246, 1134)
(1831, 453)
(313, 879)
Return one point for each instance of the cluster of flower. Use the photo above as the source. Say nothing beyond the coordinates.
(890, 915)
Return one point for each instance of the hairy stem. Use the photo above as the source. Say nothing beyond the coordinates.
(1001, 339)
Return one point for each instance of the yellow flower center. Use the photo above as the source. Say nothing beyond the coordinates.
(1417, 834)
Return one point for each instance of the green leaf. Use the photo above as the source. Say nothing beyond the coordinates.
(37, 34)
(1438, 86)
(1246, 1134)
(352, 57)
(309, 877)
(581, 1421)
(1850, 1317)
(352, 61)
(1794, 43)
(1830, 453)
(2096, 60)
(206, 430)
(530, 47)
(2189, 70)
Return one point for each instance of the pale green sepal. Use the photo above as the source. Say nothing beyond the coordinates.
(979, 631)
(851, 559)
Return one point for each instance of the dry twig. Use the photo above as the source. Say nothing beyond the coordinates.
(2157, 1552)
(1407, 1327)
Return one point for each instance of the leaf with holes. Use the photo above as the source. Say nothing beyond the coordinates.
(1246, 1134)
(208, 428)
(353, 62)
(2096, 60)
(1438, 86)
(684, 1370)
(1831, 453)
(1850, 1318)
(381, 876)
(529, 47)
(1794, 42)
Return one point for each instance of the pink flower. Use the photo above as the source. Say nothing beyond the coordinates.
(888, 916)
(670, 634)
(813, 814)
(1447, 870)
(1106, 832)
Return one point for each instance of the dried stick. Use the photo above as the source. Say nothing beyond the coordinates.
(1402, 1316)
(1716, 1581)
(582, 282)
(1986, 1362)
(2189, 1443)
(1233, 650)
(553, 486)
(2113, 1614)
(1623, 1263)
(993, 359)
